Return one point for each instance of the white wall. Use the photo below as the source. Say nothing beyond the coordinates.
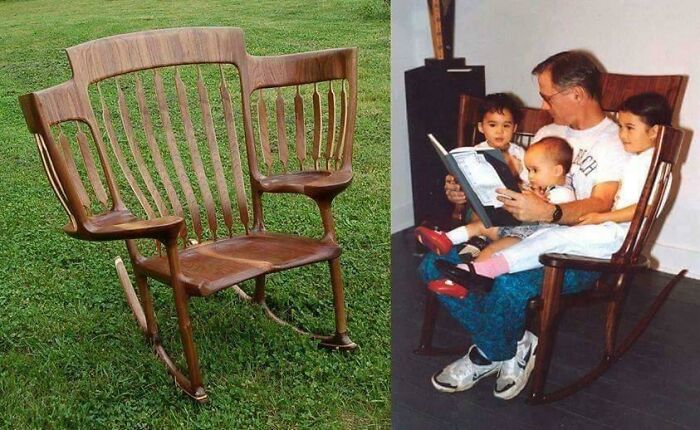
(510, 37)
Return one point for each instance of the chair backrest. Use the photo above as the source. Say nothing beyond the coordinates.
(615, 88)
(171, 106)
(654, 194)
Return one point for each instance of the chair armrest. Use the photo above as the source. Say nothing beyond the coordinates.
(568, 261)
(315, 184)
(122, 225)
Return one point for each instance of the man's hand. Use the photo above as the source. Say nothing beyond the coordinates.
(453, 191)
(526, 206)
(591, 218)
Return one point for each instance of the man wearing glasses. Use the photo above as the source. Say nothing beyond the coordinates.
(569, 84)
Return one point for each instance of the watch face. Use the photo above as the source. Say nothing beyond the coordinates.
(556, 216)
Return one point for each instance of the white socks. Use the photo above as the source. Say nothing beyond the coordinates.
(458, 235)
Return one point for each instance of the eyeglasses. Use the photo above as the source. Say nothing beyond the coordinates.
(548, 99)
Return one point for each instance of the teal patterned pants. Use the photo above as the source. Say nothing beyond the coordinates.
(496, 320)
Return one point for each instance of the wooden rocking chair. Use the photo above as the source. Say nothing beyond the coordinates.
(614, 286)
(131, 91)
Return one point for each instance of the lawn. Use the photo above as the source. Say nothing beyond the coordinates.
(71, 355)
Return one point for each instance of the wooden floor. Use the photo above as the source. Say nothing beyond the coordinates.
(655, 386)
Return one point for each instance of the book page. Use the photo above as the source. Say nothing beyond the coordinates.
(481, 176)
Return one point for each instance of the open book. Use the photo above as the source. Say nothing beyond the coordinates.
(480, 172)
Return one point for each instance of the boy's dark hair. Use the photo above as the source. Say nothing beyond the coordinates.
(652, 108)
(572, 68)
(558, 150)
(498, 102)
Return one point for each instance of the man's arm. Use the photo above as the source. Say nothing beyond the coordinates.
(528, 207)
(621, 215)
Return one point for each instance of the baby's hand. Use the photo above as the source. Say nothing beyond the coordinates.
(539, 192)
(591, 218)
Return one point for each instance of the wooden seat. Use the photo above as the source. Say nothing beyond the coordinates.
(206, 269)
(617, 272)
(144, 144)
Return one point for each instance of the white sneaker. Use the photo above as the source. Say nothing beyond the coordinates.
(464, 373)
(514, 373)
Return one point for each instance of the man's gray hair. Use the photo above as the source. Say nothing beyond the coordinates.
(572, 68)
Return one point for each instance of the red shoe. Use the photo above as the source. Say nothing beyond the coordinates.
(436, 241)
(446, 287)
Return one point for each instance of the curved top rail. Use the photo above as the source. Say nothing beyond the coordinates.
(110, 56)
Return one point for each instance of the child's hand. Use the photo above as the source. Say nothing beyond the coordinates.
(539, 192)
(591, 218)
(453, 191)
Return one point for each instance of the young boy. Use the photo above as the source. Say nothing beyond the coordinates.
(499, 114)
(597, 234)
(547, 163)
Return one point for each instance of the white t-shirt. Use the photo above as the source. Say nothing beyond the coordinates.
(598, 153)
(634, 176)
(514, 150)
(559, 194)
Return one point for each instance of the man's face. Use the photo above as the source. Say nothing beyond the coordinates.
(559, 102)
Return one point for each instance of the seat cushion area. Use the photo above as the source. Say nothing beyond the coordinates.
(209, 267)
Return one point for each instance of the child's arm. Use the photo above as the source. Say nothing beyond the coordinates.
(621, 215)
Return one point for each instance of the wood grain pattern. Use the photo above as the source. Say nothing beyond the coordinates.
(281, 130)
(136, 152)
(70, 163)
(263, 131)
(174, 152)
(338, 154)
(234, 152)
(194, 152)
(318, 126)
(90, 167)
(300, 128)
(221, 187)
(330, 140)
(121, 160)
(55, 183)
(154, 150)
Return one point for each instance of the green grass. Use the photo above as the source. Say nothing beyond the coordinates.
(71, 355)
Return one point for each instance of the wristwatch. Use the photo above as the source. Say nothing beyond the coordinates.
(556, 216)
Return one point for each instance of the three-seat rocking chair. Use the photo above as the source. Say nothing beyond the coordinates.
(135, 147)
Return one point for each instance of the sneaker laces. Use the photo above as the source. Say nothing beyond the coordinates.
(462, 367)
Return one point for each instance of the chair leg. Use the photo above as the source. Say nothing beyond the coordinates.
(551, 292)
(131, 299)
(194, 388)
(151, 331)
(341, 340)
(142, 307)
(425, 346)
(429, 317)
(259, 295)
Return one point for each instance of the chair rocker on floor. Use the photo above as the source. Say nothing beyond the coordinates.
(616, 273)
(130, 93)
